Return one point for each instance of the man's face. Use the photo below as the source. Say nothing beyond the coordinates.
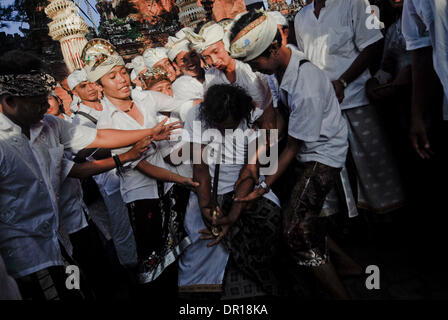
(217, 56)
(116, 83)
(163, 87)
(263, 65)
(53, 106)
(28, 110)
(166, 66)
(86, 91)
(189, 63)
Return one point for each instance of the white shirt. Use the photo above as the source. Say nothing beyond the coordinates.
(30, 178)
(425, 23)
(187, 88)
(234, 152)
(135, 185)
(335, 40)
(315, 116)
(254, 83)
(82, 120)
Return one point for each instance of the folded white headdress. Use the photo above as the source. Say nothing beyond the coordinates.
(99, 57)
(153, 55)
(209, 34)
(178, 43)
(138, 64)
(279, 18)
(76, 77)
(254, 38)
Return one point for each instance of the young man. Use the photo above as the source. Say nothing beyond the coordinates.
(317, 138)
(114, 223)
(158, 58)
(155, 208)
(250, 235)
(138, 68)
(335, 37)
(31, 153)
(208, 41)
(189, 86)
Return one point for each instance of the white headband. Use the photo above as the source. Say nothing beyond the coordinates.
(178, 43)
(76, 77)
(279, 18)
(138, 64)
(208, 35)
(153, 55)
(254, 39)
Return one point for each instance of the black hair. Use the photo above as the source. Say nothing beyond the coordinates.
(245, 20)
(222, 101)
(19, 62)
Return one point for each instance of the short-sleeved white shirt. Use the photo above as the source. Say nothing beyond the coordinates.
(425, 23)
(315, 116)
(335, 40)
(135, 185)
(30, 181)
(254, 83)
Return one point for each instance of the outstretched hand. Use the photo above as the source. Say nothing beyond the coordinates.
(163, 131)
(139, 148)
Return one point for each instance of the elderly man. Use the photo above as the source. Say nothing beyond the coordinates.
(32, 145)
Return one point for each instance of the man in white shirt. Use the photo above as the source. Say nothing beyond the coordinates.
(209, 42)
(425, 28)
(317, 138)
(335, 36)
(31, 155)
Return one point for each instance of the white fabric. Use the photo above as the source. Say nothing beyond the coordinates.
(208, 35)
(254, 83)
(135, 185)
(256, 41)
(425, 23)
(133, 75)
(315, 116)
(273, 85)
(279, 18)
(153, 55)
(96, 73)
(177, 44)
(335, 40)
(187, 88)
(138, 64)
(30, 181)
(76, 77)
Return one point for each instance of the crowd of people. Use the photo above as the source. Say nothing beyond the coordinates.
(218, 157)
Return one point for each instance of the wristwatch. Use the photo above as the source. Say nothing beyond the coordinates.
(344, 83)
(264, 186)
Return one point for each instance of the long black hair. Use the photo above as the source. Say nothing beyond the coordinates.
(222, 101)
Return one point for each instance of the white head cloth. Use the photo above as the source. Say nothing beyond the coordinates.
(209, 34)
(279, 18)
(178, 44)
(76, 77)
(133, 75)
(253, 39)
(138, 64)
(99, 57)
(153, 55)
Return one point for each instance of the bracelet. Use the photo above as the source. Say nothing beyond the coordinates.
(118, 164)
